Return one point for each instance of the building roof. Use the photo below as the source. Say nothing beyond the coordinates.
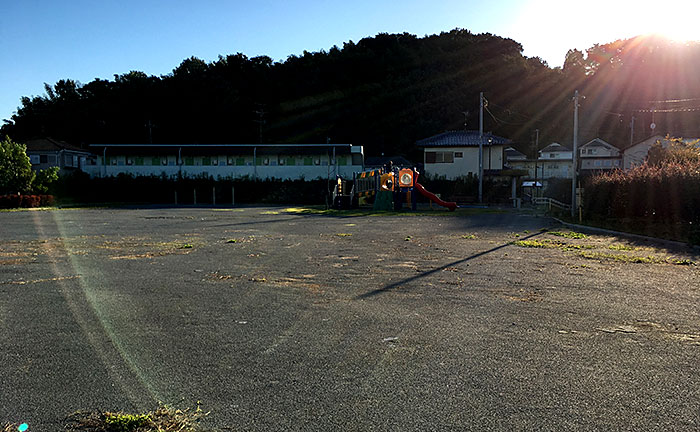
(555, 147)
(513, 154)
(50, 144)
(462, 139)
(597, 142)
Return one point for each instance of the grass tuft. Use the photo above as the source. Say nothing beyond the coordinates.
(624, 258)
(164, 419)
(619, 247)
(570, 234)
(186, 246)
(548, 244)
(469, 236)
(124, 422)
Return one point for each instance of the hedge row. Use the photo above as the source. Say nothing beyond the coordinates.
(79, 187)
(668, 193)
(25, 201)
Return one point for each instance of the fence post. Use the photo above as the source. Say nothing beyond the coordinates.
(213, 195)
(194, 194)
(175, 197)
(233, 201)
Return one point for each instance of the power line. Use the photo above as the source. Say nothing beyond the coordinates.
(502, 121)
(675, 100)
(669, 110)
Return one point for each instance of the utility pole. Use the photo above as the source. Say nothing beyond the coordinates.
(149, 125)
(573, 177)
(537, 147)
(261, 119)
(632, 130)
(481, 147)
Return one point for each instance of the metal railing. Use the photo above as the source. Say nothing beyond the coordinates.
(551, 202)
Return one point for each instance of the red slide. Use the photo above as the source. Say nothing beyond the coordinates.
(432, 197)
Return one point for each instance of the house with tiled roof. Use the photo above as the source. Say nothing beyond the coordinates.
(556, 161)
(48, 152)
(456, 153)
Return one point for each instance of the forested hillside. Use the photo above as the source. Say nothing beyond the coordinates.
(383, 92)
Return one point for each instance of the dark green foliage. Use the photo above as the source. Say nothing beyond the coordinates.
(559, 189)
(80, 188)
(16, 173)
(466, 189)
(384, 92)
(44, 179)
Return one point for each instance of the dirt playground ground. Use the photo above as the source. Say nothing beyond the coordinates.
(290, 320)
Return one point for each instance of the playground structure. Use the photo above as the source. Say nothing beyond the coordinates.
(384, 188)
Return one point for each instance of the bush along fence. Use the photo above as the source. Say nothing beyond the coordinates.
(25, 201)
(666, 194)
(80, 188)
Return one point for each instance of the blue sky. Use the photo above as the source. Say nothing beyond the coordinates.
(47, 40)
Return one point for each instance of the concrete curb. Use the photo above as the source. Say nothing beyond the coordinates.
(591, 229)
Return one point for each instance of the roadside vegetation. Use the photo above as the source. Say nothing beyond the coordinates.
(660, 198)
(20, 186)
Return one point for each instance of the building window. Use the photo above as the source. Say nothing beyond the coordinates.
(34, 159)
(552, 155)
(43, 159)
(458, 154)
(439, 157)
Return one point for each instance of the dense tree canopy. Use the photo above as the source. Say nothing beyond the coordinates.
(16, 173)
(383, 92)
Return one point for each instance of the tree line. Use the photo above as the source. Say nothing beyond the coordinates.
(383, 92)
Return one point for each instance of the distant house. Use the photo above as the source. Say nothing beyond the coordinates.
(519, 161)
(597, 155)
(636, 154)
(555, 161)
(47, 152)
(455, 154)
(281, 161)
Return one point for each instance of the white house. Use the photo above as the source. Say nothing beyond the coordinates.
(598, 154)
(636, 154)
(48, 152)
(456, 153)
(281, 161)
(555, 161)
(519, 161)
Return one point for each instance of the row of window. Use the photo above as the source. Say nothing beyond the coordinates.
(229, 160)
(442, 156)
(72, 161)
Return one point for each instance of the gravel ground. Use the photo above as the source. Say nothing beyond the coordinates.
(279, 320)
